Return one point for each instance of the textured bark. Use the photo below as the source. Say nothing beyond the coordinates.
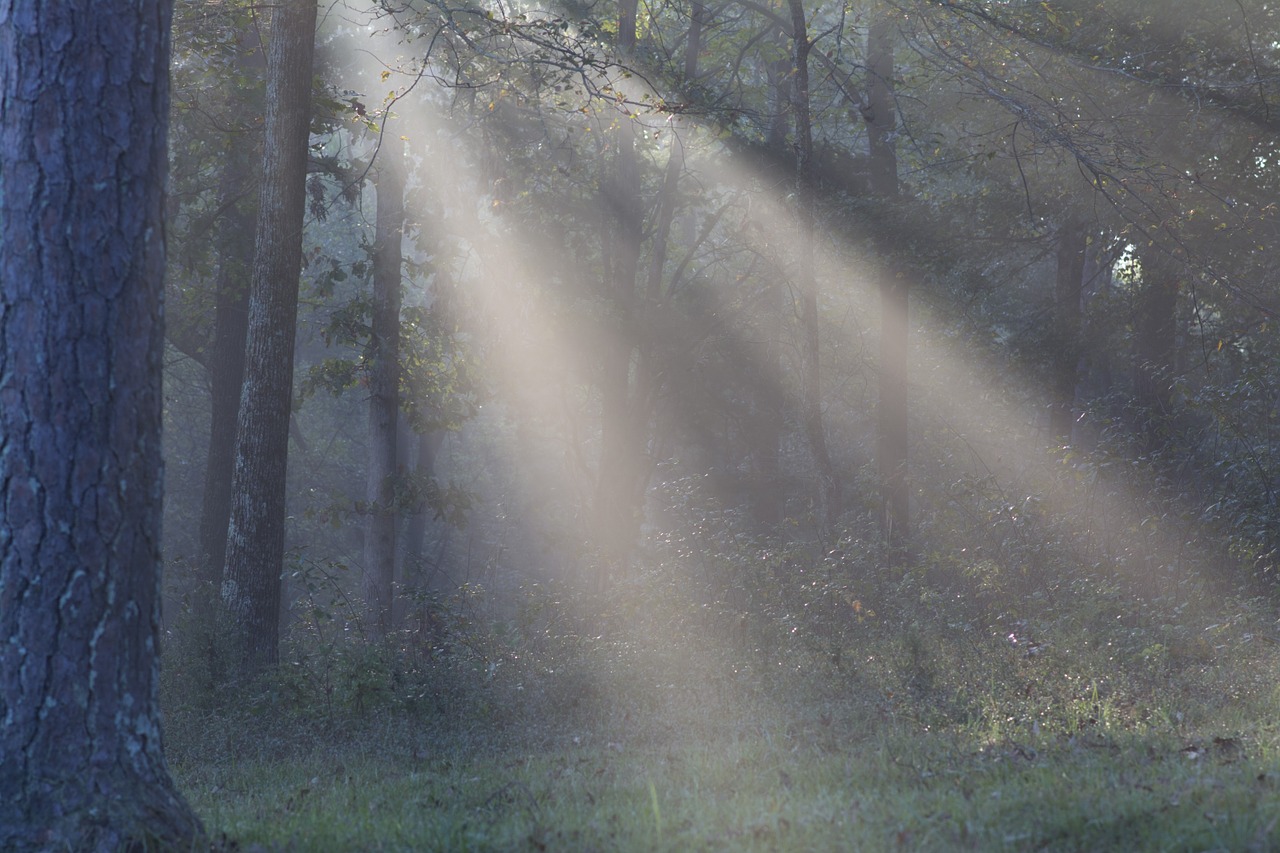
(893, 414)
(84, 98)
(226, 361)
(255, 535)
(384, 387)
(1069, 279)
(806, 280)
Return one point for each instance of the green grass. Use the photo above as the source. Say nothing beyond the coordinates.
(810, 791)
(917, 738)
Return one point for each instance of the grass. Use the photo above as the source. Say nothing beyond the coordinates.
(915, 737)
(812, 791)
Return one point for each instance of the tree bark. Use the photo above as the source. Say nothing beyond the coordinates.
(1094, 371)
(806, 280)
(1155, 343)
(413, 560)
(1068, 282)
(769, 408)
(893, 415)
(226, 360)
(84, 101)
(618, 472)
(384, 387)
(255, 535)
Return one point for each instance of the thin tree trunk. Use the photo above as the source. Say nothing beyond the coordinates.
(616, 509)
(675, 163)
(82, 260)
(255, 536)
(769, 415)
(413, 560)
(893, 415)
(806, 280)
(1094, 370)
(1069, 279)
(384, 387)
(226, 364)
(1155, 343)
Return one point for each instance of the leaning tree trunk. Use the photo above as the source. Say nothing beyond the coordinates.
(235, 237)
(255, 536)
(384, 387)
(806, 279)
(81, 339)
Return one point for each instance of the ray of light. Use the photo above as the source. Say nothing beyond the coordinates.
(542, 355)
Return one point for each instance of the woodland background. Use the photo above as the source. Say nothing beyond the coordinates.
(770, 424)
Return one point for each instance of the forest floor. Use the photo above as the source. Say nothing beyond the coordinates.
(1058, 735)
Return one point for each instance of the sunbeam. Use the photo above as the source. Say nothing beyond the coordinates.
(815, 427)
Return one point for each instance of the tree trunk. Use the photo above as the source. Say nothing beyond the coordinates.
(226, 360)
(1069, 279)
(895, 289)
(1094, 370)
(806, 280)
(82, 260)
(618, 472)
(255, 536)
(413, 560)
(1155, 343)
(384, 387)
(769, 415)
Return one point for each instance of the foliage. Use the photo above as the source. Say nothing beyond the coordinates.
(651, 717)
(1093, 604)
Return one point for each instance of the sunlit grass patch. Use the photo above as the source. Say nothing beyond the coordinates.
(893, 789)
(990, 749)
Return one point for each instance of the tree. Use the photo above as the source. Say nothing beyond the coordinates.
(1072, 245)
(767, 427)
(806, 280)
(1155, 323)
(225, 358)
(84, 100)
(255, 535)
(895, 291)
(620, 470)
(384, 385)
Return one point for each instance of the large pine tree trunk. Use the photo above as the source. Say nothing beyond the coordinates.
(81, 339)
(255, 536)
(384, 387)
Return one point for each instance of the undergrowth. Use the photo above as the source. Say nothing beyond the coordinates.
(737, 695)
